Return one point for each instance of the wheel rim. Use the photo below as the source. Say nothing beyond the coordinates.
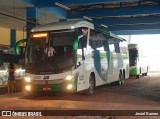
(120, 79)
(91, 86)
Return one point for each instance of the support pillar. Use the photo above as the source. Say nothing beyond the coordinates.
(33, 18)
(12, 38)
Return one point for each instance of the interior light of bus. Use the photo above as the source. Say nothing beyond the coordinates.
(38, 35)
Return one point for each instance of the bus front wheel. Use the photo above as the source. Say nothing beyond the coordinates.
(90, 89)
(145, 74)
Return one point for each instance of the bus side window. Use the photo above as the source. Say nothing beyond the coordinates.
(117, 48)
(111, 48)
(82, 43)
(96, 40)
(106, 45)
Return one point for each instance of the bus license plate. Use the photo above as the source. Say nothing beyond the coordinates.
(47, 88)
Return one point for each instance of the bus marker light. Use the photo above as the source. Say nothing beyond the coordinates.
(38, 35)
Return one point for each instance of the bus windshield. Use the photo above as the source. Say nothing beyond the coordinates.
(52, 53)
(133, 55)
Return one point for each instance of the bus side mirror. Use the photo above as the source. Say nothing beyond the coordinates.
(75, 42)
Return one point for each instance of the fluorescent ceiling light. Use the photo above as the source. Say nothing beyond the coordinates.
(104, 25)
(88, 18)
(62, 6)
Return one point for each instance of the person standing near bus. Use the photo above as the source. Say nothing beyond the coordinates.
(11, 78)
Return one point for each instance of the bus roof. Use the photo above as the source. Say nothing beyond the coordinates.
(74, 24)
(132, 46)
(108, 33)
(115, 36)
(62, 25)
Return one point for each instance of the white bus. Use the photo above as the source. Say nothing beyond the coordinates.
(138, 65)
(80, 57)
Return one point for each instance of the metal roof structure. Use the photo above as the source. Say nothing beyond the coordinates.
(119, 16)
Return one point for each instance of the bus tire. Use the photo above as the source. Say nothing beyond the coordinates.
(90, 89)
(120, 80)
(138, 75)
(145, 74)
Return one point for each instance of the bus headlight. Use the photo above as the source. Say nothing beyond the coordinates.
(69, 77)
(27, 79)
(28, 87)
(69, 86)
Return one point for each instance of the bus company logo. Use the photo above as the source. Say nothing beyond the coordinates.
(6, 113)
(46, 77)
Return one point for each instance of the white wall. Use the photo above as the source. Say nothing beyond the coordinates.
(149, 46)
(5, 36)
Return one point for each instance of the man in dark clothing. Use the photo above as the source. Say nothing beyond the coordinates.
(11, 78)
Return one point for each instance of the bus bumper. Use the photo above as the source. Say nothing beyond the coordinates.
(50, 88)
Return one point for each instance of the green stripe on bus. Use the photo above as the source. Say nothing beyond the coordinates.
(133, 72)
(75, 44)
(74, 82)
